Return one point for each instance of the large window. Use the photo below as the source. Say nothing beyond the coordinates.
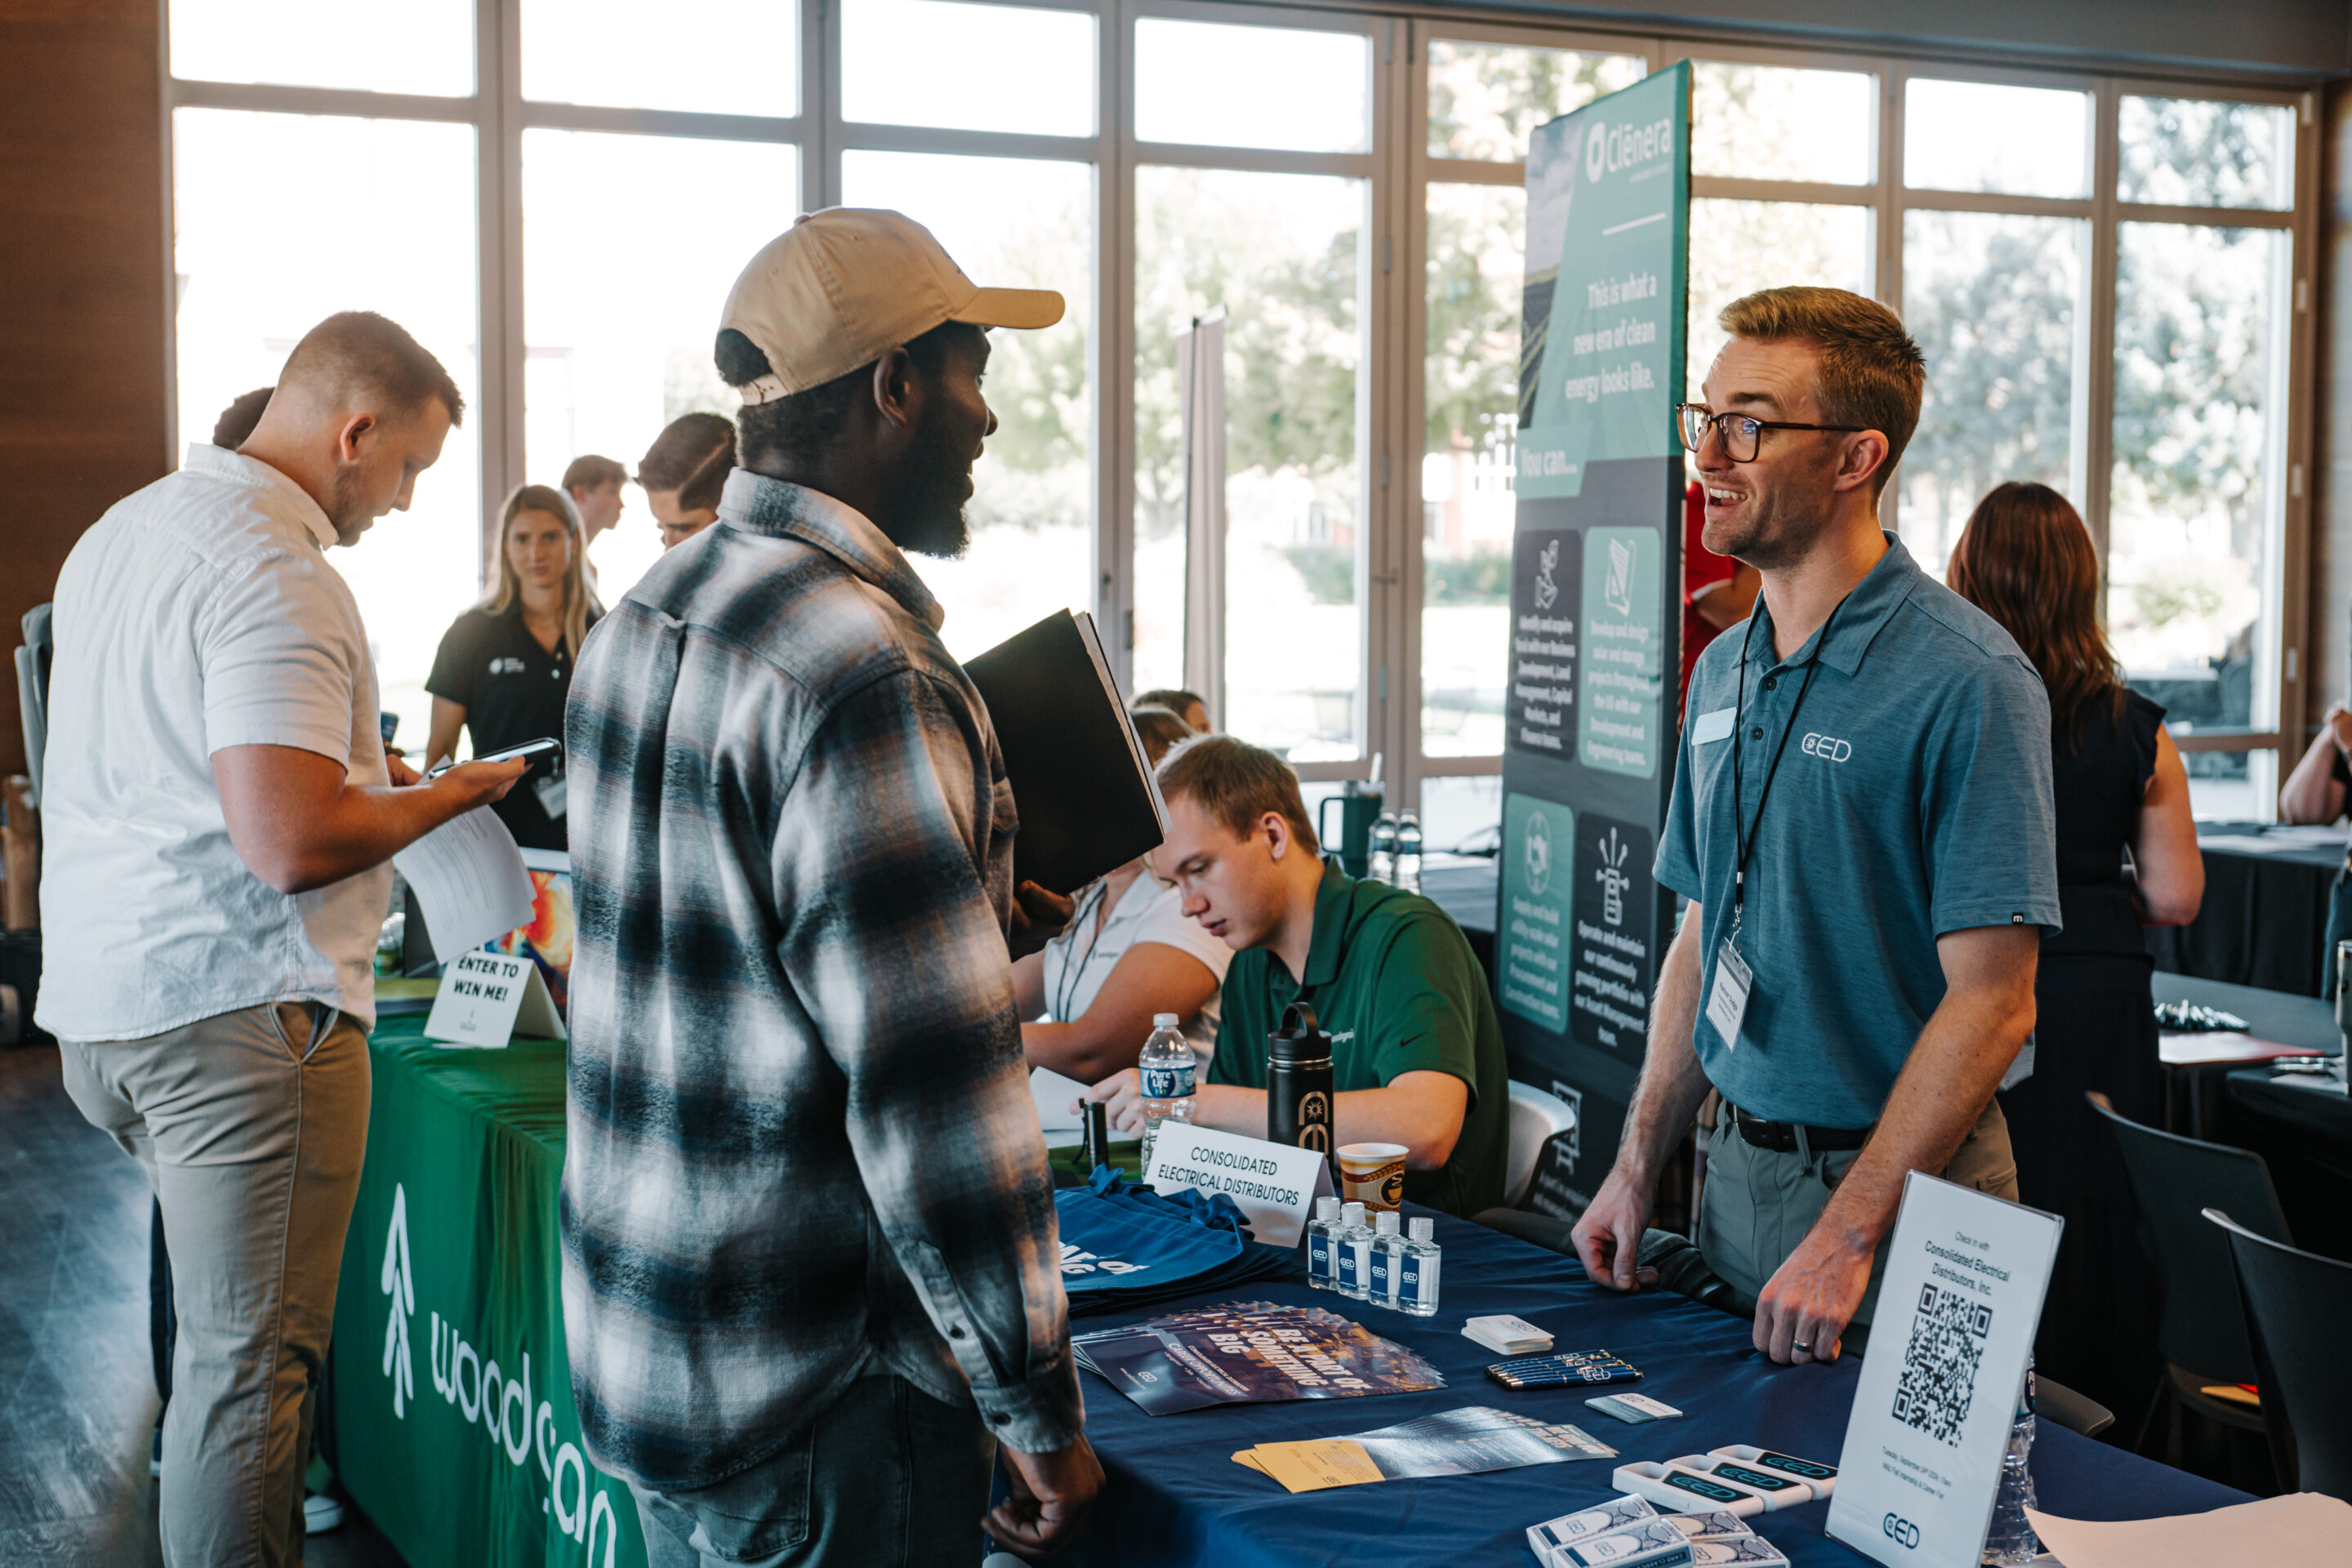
(1482, 99)
(2109, 277)
(247, 296)
(1280, 248)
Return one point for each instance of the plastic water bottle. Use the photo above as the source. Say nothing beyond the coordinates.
(2009, 1540)
(1321, 1266)
(1380, 861)
(1407, 852)
(1166, 1068)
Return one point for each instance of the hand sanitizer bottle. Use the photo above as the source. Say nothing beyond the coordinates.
(1416, 1271)
(1350, 1246)
(1319, 1231)
(1386, 1245)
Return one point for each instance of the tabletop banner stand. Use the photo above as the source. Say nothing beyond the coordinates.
(1589, 735)
(487, 998)
(1965, 1277)
(1273, 1184)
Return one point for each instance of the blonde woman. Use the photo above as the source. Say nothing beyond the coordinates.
(505, 668)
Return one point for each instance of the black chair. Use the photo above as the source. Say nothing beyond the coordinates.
(2078, 1413)
(2200, 1330)
(2298, 1310)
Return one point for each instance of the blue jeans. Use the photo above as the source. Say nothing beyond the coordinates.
(843, 1491)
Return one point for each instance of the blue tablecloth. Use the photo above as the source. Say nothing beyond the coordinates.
(1175, 1496)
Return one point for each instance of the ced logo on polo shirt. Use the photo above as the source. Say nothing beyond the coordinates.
(507, 667)
(1829, 748)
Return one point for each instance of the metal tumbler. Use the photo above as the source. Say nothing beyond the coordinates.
(1298, 1086)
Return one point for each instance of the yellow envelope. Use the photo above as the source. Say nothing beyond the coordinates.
(1314, 1465)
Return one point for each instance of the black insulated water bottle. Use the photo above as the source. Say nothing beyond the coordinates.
(1298, 1086)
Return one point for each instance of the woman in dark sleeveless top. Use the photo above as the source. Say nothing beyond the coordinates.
(2026, 559)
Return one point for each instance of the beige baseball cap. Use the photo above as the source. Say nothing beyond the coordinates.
(843, 287)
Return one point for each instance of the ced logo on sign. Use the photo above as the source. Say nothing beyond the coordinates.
(1901, 1531)
(1829, 748)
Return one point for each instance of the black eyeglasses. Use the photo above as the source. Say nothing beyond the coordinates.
(1741, 433)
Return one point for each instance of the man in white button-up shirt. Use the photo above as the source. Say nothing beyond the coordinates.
(219, 815)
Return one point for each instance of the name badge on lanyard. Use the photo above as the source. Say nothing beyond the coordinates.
(1726, 1003)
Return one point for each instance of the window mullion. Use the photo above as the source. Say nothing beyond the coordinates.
(498, 85)
(1887, 284)
(822, 113)
(1387, 359)
(2097, 341)
(1412, 283)
(1114, 435)
(2295, 530)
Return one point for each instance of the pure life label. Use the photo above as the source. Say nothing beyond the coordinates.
(1167, 1083)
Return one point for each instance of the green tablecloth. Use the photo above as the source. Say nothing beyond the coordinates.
(457, 1210)
(454, 1422)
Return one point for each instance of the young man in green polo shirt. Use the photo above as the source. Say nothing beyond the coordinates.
(1416, 1053)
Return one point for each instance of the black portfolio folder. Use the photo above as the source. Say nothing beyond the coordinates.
(1086, 795)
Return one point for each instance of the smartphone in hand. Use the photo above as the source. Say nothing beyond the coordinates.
(543, 746)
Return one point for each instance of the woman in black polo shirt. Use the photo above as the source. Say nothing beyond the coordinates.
(505, 668)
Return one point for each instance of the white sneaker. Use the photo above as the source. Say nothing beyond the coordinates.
(321, 1513)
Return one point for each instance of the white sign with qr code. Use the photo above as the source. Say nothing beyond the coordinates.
(1957, 1308)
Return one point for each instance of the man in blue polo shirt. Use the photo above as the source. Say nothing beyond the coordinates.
(1862, 820)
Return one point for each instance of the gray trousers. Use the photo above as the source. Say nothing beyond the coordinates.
(251, 1127)
(884, 1475)
(1758, 1204)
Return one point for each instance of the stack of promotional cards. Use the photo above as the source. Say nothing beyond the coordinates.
(1507, 1335)
(1632, 1408)
(1627, 1533)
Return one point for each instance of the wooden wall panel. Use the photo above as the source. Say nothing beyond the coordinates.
(84, 274)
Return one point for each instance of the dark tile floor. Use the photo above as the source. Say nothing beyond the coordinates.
(76, 1385)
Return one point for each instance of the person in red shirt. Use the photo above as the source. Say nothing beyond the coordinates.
(1717, 591)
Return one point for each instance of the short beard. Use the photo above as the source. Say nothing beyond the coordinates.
(347, 514)
(1780, 536)
(925, 512)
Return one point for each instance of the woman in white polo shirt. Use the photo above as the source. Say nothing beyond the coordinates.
(1128, 952)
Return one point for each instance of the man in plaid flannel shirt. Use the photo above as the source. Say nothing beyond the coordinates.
(811, 1266)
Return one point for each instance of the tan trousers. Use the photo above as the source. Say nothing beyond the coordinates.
(1758, 1204)
(251, 1127)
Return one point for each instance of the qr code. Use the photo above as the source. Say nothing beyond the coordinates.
(1940, 1364)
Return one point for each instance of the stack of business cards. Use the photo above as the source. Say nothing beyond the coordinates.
(1507, 1335)
(1634, 1409)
